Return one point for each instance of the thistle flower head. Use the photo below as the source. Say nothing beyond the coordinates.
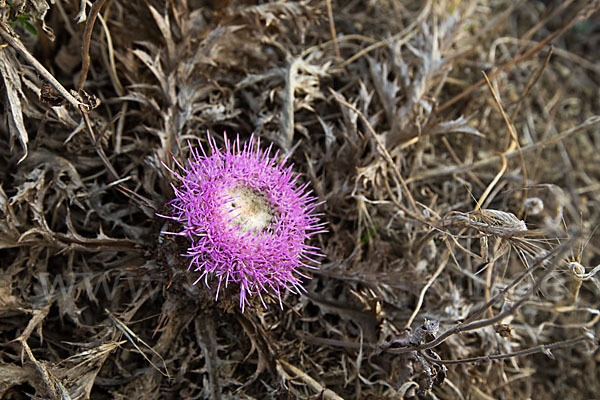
(247, 217)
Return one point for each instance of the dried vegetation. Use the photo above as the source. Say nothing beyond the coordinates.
(462, 205)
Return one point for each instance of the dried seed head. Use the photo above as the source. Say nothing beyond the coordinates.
(534, 205)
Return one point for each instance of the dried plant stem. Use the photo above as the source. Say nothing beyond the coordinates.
(54, 386)
(493, 183)
(205, 332)
(20, 48)
(342, 39)
(589, 123)
(384, 152)
(569, 55)
(543, 21)
(519, 278)
(435, 275)
(332, 28)
(110, 59)
(85, 43)
(316, 386)
(398, 38)
(15, 43)
(457, 160)
(133, 339)
(533, 81)
(408, 212)
(514, 61)
(114, 77)
(98, 145)
(65, 18)
(320, 341)
(556, 254)
(544, 348)
(515, 143)
(287, 117)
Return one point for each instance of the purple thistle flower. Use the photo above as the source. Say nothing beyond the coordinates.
(247, 218)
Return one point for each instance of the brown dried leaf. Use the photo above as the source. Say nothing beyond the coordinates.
(12, 83)
(9, 233)
(9, 303)
(13, 375)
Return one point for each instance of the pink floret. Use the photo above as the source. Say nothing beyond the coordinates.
(266, 261)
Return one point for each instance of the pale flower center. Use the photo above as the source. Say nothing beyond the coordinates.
(251, 210)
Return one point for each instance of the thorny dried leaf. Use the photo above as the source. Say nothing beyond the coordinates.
(14, 93)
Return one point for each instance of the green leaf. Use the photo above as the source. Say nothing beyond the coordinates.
(368, 235)
(30, 27)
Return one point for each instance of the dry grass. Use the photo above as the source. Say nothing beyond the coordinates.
(444, 276)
